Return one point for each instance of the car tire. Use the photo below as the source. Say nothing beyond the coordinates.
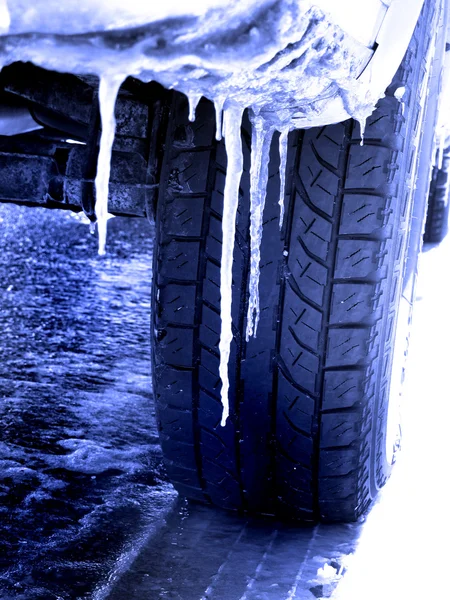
(309, 395)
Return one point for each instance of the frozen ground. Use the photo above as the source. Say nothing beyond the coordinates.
(85, 508)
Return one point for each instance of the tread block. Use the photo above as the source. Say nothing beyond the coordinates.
(210, 328)
(343, 389)
(353, 303)
(294, 485)
(309, 276)
(180, 453)
(219, 449)
(362, 215)
(217, 194)
(211, 285)
(184, 216)
(302, 364)
(189, 172)
(320, 184)
(208, 372)
(314, 230)
(320, 187)
(338, 487)
(328, 143)
(383, 122)
(214, 239)
(177, 424)
(347, 346)
(357, 259)
(176, 387)
(292, 398)
(176, 347)
(210, 413)
(177, 303)
(340, 429)
(304, 320)
(364, 165)
(337, 463)
(179, 472)
(181, 259)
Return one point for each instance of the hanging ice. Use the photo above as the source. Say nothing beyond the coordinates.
(193, 100)
(108, 90)
(259, 172)
(232, 131)
(218, 107)
(362, 129)
(283, 146)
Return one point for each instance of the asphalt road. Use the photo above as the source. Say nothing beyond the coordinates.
(85, 507)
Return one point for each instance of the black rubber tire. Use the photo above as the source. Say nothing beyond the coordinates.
(309, 394)
(436, 226)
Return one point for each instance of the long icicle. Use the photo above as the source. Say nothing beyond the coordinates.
(259, 173)
(232, 131)
(107, 95)
(283, 146)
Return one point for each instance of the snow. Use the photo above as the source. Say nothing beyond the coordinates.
(232, 119)
(399, 93)
(5, 19)
(79, 16)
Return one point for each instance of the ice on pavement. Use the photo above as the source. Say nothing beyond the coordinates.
(281, 60)
(93, 458)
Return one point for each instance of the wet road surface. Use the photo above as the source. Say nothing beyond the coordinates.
(85, 509)
(78, 443)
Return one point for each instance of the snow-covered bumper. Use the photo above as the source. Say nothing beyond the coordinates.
(297, 62)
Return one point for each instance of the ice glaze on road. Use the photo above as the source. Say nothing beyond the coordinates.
(86, 511)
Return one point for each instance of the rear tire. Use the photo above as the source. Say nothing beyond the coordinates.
(309, 396)
(436, 227)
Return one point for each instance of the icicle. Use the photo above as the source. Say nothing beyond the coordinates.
(108, 90)
(399, 93)
(362, 127)
(232, 131)
(283, 145)
(218, 106)
(259, 173)
(193, 99)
